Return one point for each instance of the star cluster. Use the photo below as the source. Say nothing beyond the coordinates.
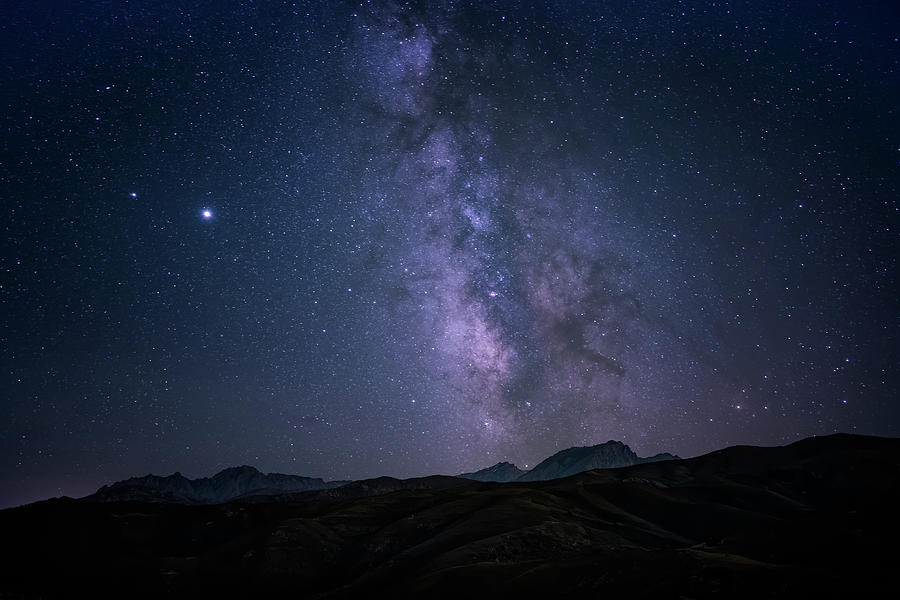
(349, 239)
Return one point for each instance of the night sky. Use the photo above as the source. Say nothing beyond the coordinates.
(344, 239)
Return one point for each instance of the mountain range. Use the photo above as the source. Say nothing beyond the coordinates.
(227, 485)
(816, 518)
(243, 482)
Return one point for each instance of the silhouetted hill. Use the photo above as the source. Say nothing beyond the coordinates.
(224, 486)
(501, 472)
(610, 455)
(817, 518)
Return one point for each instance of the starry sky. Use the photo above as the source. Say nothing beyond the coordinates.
(350, 239)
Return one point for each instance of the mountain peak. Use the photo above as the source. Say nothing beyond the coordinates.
(501, 472)
(609, 455)
(502, 465)
(234, 471)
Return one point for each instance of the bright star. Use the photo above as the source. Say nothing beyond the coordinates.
(207, 214)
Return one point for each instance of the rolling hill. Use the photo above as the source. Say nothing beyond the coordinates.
(814, 518)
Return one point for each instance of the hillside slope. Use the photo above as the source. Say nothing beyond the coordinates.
(817, 517)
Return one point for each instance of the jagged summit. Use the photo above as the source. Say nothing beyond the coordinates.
(611, 455)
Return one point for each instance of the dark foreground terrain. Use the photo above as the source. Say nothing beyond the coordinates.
(818, 518)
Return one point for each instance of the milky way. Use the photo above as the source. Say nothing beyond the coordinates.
(346, 240)
(512, 276)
